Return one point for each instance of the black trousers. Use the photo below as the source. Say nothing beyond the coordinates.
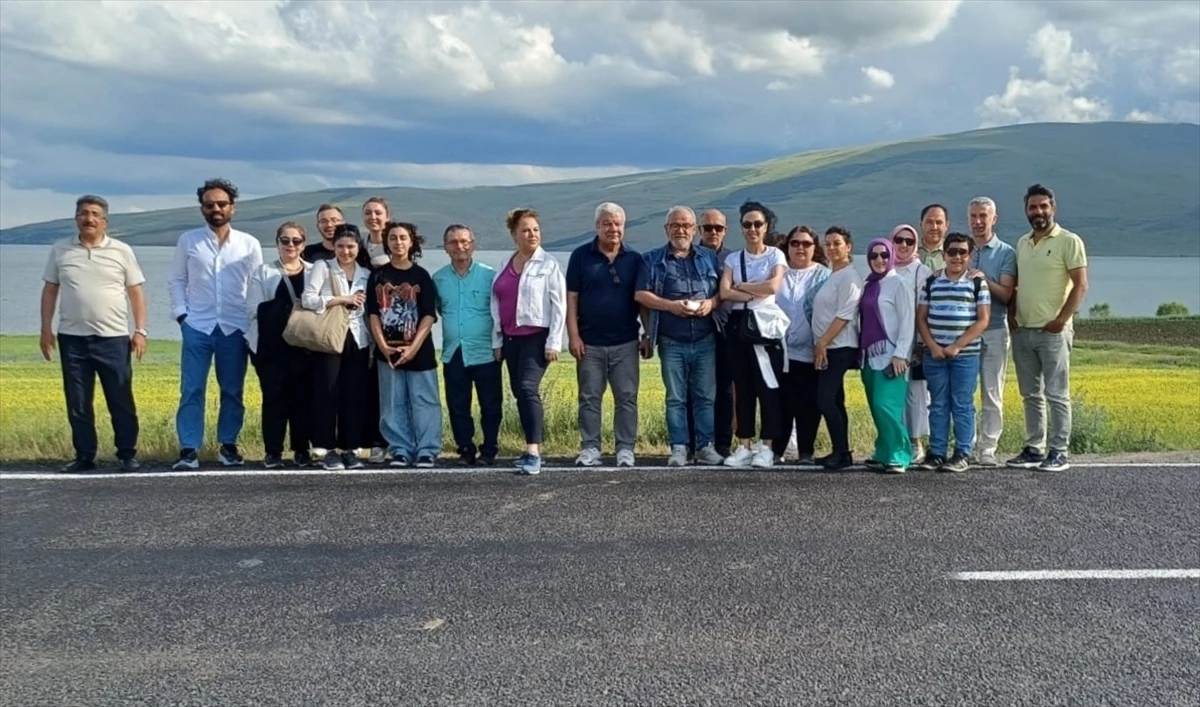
(798, 406)
(486, 379)
(752, 394)
(340, 402)
(525, 358)
(831, 396)
(722, 403)
(108, 357)
(287, 399)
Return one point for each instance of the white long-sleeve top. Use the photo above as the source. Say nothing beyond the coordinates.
(790, 298)
(208, 282)
(899, 320)
(318, 290)
(263, 286)
(838, 299)
(541, 299)
(914, 276)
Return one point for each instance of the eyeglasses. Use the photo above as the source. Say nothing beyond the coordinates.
(957, 252)
(878, 255)
(680, 226)
(291, 241)
(612, 270)
(801, 244)
(712, 228)
(216, 204)
(904, 241)
(748, 225)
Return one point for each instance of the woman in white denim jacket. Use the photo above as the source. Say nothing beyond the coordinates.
(284, 371)
(529, 316)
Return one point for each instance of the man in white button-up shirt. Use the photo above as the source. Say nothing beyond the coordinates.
(209, 276)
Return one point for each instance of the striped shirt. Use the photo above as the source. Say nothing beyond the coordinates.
(952, 309)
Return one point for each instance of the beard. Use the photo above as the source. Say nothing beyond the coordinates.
(1040, 223)
(215, 220)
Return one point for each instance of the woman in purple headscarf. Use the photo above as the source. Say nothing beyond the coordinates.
(886, 329)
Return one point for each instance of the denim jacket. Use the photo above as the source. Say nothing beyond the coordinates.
(655, 263)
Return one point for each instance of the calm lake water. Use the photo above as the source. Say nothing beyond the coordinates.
(1131, 286)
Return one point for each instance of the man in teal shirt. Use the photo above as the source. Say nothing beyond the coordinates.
(464, 296)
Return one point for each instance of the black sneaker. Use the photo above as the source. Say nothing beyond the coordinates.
(1029, 458)
(333, 461)
(956, 464)
(424, 462)
(487, 460)
(303, 459)
(350, 460)
(873, 465)
(929, 462)
(400, 462)
(228, 456)
(79, 466)
(273, 461)
(806, 460)
(466, 459)
(1055, 461)
(837, 462)
(187, 461)
(130, 465)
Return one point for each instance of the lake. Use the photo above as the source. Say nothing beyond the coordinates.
(1131, 286)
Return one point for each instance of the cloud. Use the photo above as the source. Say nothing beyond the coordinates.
(1183, 67)
(1058, 96)
(861, 100)
(878, 78)
(1141, 116)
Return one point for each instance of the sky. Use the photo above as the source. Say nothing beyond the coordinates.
(142, 101)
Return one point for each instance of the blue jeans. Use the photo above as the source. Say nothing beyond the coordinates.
(199, 351)
(952, 383)
(410, 412)
(689, 371)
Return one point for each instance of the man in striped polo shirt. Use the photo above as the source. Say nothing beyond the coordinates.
(953, 310)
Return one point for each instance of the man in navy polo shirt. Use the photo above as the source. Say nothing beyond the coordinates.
(602, 324)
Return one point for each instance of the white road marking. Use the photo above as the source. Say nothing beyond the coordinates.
(504, 469)
(1055, 575)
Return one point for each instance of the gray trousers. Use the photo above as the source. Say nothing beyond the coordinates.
(601, 367)
(993, 366)
(1043, 363)
(916, 410)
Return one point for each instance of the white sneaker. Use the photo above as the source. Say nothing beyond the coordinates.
(709, 457)
(918, 451)
(678, 455)
(625, 457)
(588, 457)
(318, 452)
(763, 457)
(792, 451)
(740, 457)
(378, 455)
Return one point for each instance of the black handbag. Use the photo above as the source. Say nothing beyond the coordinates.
(748, 323)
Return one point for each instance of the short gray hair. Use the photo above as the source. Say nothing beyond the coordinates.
(91, 200)
(680, 209)
(610, 208)
(983, 201)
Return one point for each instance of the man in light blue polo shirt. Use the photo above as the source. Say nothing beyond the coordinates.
(996, 262)
(464, 289)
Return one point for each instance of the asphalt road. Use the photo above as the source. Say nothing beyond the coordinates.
(631, 587)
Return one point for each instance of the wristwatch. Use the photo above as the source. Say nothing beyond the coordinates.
(143, 332)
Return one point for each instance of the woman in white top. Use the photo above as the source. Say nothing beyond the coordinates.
(341, 379)
(752, 277)
(914, 273)
(886, 332)
(529, 315)
(375, 213)
(835, 350)
(284, 371)
(798, 386)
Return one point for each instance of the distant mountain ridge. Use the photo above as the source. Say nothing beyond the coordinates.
(1127, 188)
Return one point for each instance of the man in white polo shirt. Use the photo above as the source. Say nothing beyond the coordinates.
(89, 278)
(209, 276)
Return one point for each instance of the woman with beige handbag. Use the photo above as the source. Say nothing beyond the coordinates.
(341, 378)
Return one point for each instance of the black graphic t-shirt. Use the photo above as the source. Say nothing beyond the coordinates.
(401, 298)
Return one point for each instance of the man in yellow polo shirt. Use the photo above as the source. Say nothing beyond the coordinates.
(1051, 284)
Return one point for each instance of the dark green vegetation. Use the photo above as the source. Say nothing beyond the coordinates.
(1114, 181)
(1141, 331)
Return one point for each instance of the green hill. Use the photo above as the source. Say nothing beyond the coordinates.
(1128, 188)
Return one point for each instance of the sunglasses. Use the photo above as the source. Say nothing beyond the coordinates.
(291, 241)
(801, 244)
(904, 241)
(957, 252)
(612, 270)
(712, 228)
(753, 224)
(878, 255)
(216, 204)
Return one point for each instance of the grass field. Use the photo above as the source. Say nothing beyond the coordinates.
(1128, 397)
